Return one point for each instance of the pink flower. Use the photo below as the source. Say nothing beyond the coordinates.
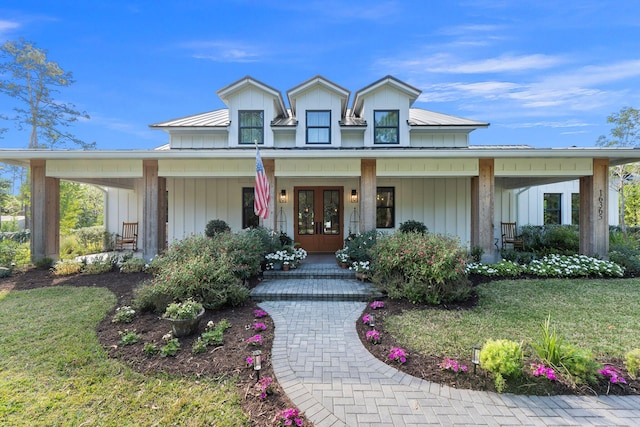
(366, 319)
(259, 326)
(260, 313)
(255, 340)
(376, 304)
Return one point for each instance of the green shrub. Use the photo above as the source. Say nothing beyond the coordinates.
(216, 226)
(518, 257)
(549, 347)
(101, 264)
(133, 265)
(551, 239)
(421, 268)
(200, 268)
(626, 255)
(44, 263)
(580, 365)
(503, 358)
(67, 267)
(91, 238)
(359, 246)
(14, 252)
(188, 309)
(19, 236)
(412, 226)
(632, 362)
(245, 251)
(476, 253)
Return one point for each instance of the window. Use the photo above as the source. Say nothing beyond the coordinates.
(251, 127)
(552, 208)
(385, 207)
(386, 124)
(575, 208)
(318, 127)
(249, 217)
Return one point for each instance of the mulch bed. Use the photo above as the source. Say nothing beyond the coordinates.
(229, 360)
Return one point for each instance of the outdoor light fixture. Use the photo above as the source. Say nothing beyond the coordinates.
(475, 357)
(354, 196)
(283, 196)
(372, 322)
(257, 362)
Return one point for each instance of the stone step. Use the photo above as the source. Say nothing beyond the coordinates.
(314, 289)
(311, 271)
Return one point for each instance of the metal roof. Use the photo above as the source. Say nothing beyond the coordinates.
(420, 117)
(216, 118)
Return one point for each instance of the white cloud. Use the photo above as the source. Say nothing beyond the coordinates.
(224, 51)
(7, 26)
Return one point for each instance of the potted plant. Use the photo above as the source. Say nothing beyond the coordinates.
(342, 257)
(362, 269)
(184, 317)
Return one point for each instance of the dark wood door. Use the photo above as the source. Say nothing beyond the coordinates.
(319, 218)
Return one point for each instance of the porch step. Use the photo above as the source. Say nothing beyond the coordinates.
(311, 271)
(316, 282)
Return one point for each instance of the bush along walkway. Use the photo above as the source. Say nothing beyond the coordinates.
(321, 364)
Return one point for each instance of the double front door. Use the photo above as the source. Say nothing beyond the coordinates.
(318, 224)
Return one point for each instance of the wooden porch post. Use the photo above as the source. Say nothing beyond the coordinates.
(152, 205)
(368, 191)
(45, 213)
(594, 211)
(482, 202)
(270, 170)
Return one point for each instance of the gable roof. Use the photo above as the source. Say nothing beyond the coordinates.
(420, 117)
(216, 118)
(318, 80)
(358, 100)
(248, 81)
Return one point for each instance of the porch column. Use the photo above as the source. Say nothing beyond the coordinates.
(368, 191)
(45, 213)
(270, 170)
(482, 201)
(594, 221)
(152, 238)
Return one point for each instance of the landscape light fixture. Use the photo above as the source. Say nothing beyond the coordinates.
(283, 196)
(372, 322)
(257, 362)
(354, 196)
(475, 357)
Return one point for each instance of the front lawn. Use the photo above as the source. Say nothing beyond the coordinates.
(600, 315)
(53, 370)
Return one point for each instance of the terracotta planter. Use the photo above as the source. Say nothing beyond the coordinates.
(342, 264)
(185, 327)
(285, 268)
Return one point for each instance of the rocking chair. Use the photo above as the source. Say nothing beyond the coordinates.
(128, 237)
(510, 236)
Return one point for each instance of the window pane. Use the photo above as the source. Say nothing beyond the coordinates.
(251, 118)
(317, 135)
(552, 208)
(386, 135)
(386, 118)
(318, 118)
(575, 208)
(305, 212)
(385, 207)
(331, 212)
(249, 217)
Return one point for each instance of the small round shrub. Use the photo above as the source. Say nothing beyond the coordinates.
(503, 358)
(44, 263)
(359, 246)
(412, 226)
(632, 362)
(67, 267)
(216, 226)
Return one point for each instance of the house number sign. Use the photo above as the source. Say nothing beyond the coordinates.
(600, 206)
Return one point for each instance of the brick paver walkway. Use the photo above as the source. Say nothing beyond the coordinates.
(322, 366)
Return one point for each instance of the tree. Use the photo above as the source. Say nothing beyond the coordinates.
(33, 80)
(625, 133)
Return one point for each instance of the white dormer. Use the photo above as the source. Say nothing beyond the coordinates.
(384, 106)
(319, 106)
(253, 106)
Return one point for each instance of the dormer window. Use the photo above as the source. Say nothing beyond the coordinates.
(386, 127)
(318, 127)
(251, 126)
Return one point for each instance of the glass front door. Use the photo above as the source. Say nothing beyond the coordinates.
(319, 218)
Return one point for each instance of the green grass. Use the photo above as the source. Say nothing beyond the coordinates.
(53, 371)
(599, 315)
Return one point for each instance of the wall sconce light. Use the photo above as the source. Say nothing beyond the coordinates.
(283, 196)
(354, 196)
(475, 357)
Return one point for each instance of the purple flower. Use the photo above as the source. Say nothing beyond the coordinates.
(366, 319)
(259, 326)
(260, 313)
(452, 365)
(373, 336)
(397, 354)
(541, 370)
(249, 361)
(376, 304)
(255, 340)
(613, 374)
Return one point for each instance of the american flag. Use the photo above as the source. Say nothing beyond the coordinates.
(262, 194)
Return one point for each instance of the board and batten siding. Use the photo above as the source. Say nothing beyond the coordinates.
(197, 141)
(251, 98)
(193, 202)
(318, 98)
(442, 204)
(387, 99)
(123, 206)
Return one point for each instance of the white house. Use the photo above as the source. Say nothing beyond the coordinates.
(336, 164)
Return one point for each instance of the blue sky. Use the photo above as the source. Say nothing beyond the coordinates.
(543, 73)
